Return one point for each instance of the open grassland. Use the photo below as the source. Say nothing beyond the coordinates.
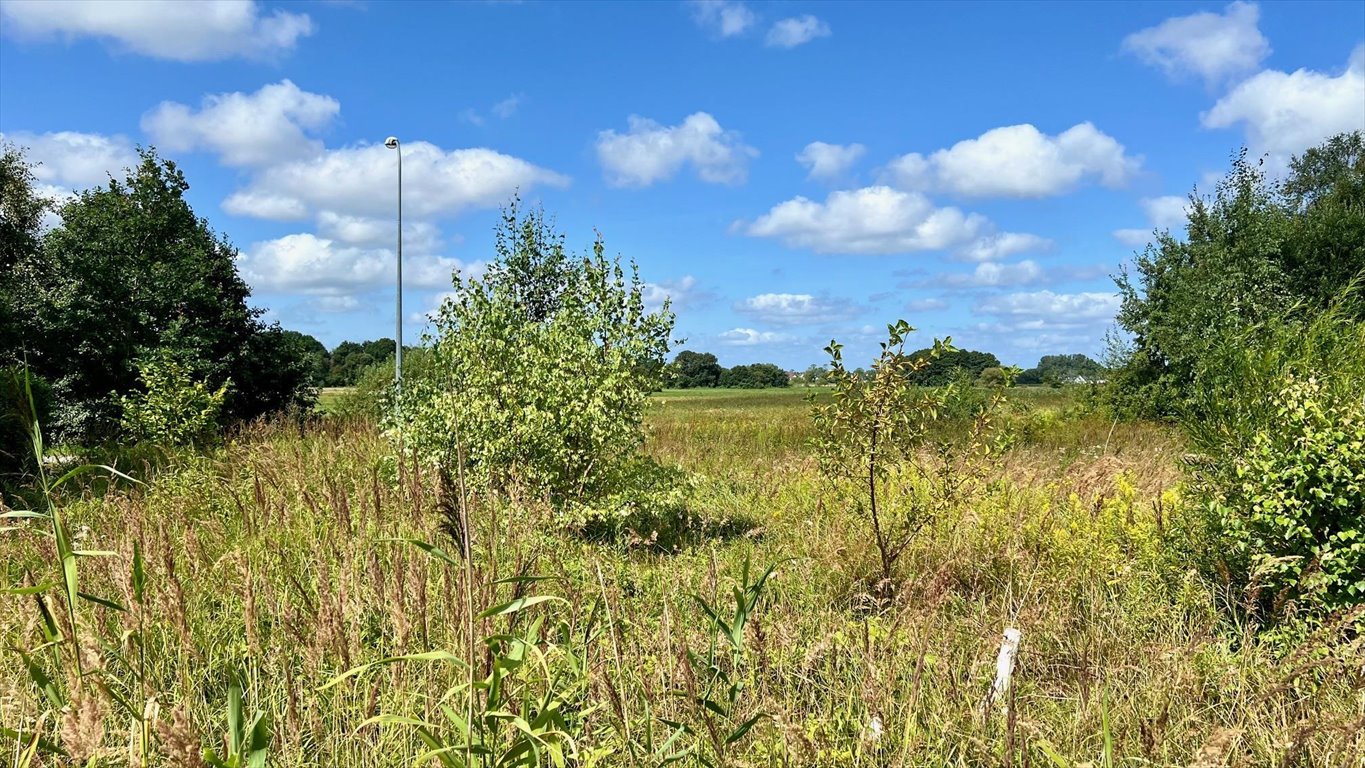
(279, 558)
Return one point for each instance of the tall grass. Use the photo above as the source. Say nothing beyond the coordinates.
(276, 563)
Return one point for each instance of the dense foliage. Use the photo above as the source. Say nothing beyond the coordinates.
(130, 271)
(693, 369)
(754, 376)
(1054, 370)
(171, 408)
(541, 368)
(943, 368)
(1253, 251)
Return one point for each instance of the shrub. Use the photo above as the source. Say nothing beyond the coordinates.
(172, 408)
(541, 369)
(18, 414)
(1279, 424)
(1293, 510)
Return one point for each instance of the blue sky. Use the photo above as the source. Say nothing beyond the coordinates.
(786, 172)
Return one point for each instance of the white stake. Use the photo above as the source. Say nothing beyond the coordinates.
(1004, 669)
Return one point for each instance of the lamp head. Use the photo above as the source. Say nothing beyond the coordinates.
(391, 142)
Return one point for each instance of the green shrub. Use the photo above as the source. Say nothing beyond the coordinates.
(17, 416)
(1279, 426)
(541, 369)
(172, 407)
(1294, 512)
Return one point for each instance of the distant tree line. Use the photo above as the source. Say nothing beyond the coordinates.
(701, 369)
(693, 370)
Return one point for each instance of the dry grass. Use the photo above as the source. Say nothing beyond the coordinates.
(273, 559)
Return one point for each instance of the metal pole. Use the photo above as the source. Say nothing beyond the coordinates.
(398, 341)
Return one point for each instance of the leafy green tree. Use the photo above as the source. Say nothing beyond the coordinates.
(21, 216)
(693, 369)
(755, 376)
(1253, 251)
(940, 370)
(131, 270)
(312, 352)
(541, 390)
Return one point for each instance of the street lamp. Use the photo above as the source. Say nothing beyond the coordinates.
(392, 143)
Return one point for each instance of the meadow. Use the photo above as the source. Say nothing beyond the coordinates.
(283, 559)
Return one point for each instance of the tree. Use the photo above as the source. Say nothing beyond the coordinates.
(1056, 370)
(21, 216)
(940, 370)
(755, 376)
(312, 352)
(131, 271)
(693, 369)
(1252, 252)
(539, 389)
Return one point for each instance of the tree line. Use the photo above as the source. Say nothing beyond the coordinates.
(691, 370)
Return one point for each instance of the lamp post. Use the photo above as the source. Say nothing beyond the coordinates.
(392, 143)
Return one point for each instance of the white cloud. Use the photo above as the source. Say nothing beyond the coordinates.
(679, 293)
(1169, 212)
(650, 152)
(749, 337)
(1002, 244)
(1286, 113)
(725, 18)
(68, 160)
(355, 181)
(797, 30)
(829, 161)
(868, 220)
(1018, 161)
(336, 304)
(306, 263)
(205, 30)
(1210, 45)
(926, 305)
(796, 308)
(271, 125)
(993, 275)
(508, 106)
(1045, 309)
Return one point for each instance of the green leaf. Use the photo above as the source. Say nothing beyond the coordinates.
(519, 604)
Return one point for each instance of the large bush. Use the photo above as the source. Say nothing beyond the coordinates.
(172, 407)
(1279, 426)
(540, 369)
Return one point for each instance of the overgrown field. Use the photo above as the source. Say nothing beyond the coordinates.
(283, 559)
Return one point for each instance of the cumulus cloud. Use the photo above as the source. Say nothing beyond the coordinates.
(869, 220)
(1287, 112)
(436, 182)
(1018, 161)
(1212, 46)
(797, 30)
(749, 337)
(1045, 309)
(271, 125)
(829, 161)
(685, 291)
(796, 308)
(306, 263)
(649, 152)
(926, 305)
(69, 160)
(1168, 212)
(205, 30)
(993, 275)
(1002, 244)
(723, 18)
